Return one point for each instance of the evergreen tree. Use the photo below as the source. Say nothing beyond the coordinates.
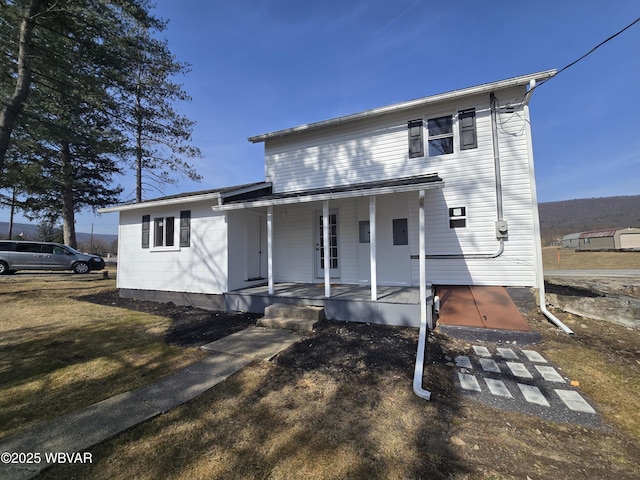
(101, 94)
(16, 69)
(160, 136)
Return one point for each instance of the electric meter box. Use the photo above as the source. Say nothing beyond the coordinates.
(502, 229)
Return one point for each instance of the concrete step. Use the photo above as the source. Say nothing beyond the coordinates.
(300, 318)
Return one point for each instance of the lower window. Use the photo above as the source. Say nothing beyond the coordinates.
(164, 231)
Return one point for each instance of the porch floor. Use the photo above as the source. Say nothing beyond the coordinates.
(352, 303)
(315, 291)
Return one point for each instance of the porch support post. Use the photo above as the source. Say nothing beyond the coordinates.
(325, 240)
(422, 259)
(270, 248)
(372, 248)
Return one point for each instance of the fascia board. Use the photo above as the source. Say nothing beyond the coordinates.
(161, 203)
(484, 88)
(328, 196)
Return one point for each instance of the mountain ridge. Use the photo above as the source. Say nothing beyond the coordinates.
(557, 218)
(586, 214)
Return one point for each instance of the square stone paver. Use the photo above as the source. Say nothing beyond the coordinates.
(489, 365)
(534, 356)
(549, 374)
(574, 401)
(463, 362)
(469, 382)
(533, 395)
(481, 351)
(497, 387)
(519, 370)
(507, 353)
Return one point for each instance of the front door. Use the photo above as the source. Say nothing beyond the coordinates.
(256, 247)
(333, 263)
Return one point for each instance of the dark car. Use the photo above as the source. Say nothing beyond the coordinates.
(18, 255)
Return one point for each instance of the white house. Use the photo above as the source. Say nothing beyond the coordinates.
(358, 213)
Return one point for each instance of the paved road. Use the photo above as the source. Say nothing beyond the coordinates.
(592, 273)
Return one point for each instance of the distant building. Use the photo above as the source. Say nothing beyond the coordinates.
(610, 239)
(571, 241)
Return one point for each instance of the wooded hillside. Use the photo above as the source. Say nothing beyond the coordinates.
(581, 215)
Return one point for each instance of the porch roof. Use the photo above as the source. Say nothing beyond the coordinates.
(365, 189)
(215, 195)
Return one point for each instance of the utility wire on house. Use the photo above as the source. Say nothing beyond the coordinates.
(590, 51)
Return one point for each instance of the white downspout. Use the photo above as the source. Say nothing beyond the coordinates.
(422, 342)
(425, 305)
(536, 221)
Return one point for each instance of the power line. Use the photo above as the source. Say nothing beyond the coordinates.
(591, 51)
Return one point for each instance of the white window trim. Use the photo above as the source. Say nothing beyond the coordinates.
(176, 232)
(455, 134)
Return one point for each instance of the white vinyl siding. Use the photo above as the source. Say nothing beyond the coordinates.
(201, 268)
(377, 149)
(368, 150)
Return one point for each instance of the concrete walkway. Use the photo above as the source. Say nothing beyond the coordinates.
(79, 431)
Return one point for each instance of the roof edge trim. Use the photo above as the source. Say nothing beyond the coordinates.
(440, 97)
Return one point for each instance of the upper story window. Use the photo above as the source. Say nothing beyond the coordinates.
(440, 135)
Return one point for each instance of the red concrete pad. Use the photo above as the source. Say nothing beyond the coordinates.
(481, 307)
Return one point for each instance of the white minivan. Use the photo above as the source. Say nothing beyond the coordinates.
(19, 255)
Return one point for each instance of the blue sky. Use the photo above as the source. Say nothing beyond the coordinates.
(260, 66)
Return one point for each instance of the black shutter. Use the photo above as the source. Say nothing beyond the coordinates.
(185, 228)
(416, 142)
(146, 221)
(169, 231)
(467, 122)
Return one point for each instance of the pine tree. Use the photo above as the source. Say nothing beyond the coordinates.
(101, 98)
(161, 137)
(12, 13)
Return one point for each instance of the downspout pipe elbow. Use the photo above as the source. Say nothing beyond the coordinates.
(552, 318)
(422, 342)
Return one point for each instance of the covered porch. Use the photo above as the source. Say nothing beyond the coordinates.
(349, 249)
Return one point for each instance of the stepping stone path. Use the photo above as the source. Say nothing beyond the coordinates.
(522, 380)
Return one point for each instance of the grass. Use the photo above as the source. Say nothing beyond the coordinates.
(604, 359)
(338, 404)
(554, 258)
(59, 353)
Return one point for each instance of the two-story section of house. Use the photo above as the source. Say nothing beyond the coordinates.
(438, 190)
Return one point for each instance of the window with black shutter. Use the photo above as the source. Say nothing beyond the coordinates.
(185, 228)
(440, 135)
(146, 222)
(169, 234)
(416, 142)
(467, 126)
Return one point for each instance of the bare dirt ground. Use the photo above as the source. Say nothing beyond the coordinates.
(339, 404)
